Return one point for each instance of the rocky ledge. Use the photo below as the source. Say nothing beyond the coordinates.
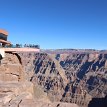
(16, 88)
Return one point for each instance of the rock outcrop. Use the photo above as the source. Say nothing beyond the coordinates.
(16, 90)
(98, 102)
(13, 86)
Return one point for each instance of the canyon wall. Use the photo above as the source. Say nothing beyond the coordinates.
(16, 87)
(69, 77)
(52, 79)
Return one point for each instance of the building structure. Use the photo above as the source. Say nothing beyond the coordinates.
(3, 38)
(6, 46)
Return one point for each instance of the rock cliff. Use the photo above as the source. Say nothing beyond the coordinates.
(74, 77)
(53, 79)
(16, 88)
(13, 86)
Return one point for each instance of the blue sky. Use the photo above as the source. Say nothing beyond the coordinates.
(56, 23)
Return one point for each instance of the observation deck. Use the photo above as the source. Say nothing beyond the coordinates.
(7, 46)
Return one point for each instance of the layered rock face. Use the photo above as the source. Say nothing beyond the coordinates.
(87, 71)
(11, 69)
(73, 77)
(45, 74)
(16, 90)
(13, 86)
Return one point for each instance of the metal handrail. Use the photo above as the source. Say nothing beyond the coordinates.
(21, 46)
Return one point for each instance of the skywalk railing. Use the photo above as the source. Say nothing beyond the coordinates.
(21, 46)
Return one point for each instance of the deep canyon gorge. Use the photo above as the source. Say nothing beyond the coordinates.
(53, 79)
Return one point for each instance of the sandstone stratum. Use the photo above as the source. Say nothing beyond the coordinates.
(59, 78)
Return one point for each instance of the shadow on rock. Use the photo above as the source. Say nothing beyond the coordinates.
(98, 102)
